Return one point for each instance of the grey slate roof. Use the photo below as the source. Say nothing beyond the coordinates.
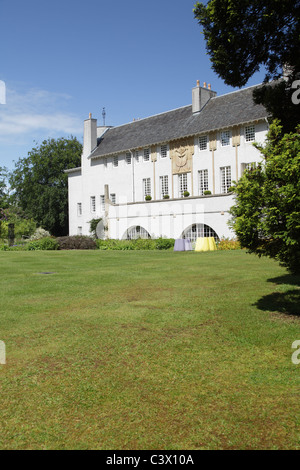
(219, 113)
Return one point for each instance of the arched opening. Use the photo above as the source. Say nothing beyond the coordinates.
(199, 231)
(133, 233)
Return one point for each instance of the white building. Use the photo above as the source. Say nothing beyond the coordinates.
(198, 148)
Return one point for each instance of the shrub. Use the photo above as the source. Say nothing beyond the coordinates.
(139, 244)
(148, 198)
(186, 194)
(39, 234)
(93, 225)
(165, 243)
(228, 244)
(207, 193)
(76, 243)
(166, 196)
(46, 243)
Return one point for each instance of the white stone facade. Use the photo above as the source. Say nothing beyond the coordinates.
(113, 186)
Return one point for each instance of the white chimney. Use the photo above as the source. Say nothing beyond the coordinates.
(89, 136)
(201, 96)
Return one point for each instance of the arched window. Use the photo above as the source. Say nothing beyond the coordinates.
(136, 232)
(199, 231)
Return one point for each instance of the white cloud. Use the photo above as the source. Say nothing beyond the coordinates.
(34, 113)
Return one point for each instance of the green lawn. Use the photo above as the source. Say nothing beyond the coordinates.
(148, 350)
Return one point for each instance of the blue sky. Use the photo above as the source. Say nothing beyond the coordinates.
(62, 59)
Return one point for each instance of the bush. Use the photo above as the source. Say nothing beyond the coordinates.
(207, 193)
(228, 244)
(39, 234)
(186, 194)
(166, 196)
(76, 243)
(165, 243)
(23, 227)
(148, 198)
(93, 226)
(46, 243)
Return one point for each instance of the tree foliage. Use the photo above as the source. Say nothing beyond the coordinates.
(4, 193)
(266, 214)
(40, 184)
(242, 36)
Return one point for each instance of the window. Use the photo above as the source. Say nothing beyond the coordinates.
(102, 202)
(136, 232)
(147, 187)
(79, 230)
(137, 156)
(146, 155)
(93, 204)
(128, 158)
(199, 231)
(112, 197)
(182, 184)
(203, 181)
(115, 160)
(203, 142)
(225, 138)
(225, 179)
(164, 186)
(79, 209)
(248, 166)
(250, 133)
(164, 151)
(105, 162)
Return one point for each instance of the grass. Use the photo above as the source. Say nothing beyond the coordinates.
(148, 350)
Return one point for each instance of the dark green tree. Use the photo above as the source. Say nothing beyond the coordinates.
(266, 214)
(40, 185)
(242, 36)
(4, 192)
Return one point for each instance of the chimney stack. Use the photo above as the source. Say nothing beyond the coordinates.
(89, 135)
(201, 96)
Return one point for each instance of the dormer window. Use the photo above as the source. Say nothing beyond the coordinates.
(225, 138)
(250, 133)
(203, 142)
(146, 155)
(164, 151)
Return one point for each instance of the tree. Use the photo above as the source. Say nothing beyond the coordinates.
(40, 184)
(242, 36)
(4, 193)
(266, 214)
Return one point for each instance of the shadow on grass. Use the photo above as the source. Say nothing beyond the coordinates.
(287, 302)
(283, 302)
(288, 279)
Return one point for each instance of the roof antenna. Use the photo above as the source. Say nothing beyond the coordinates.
(103, 115)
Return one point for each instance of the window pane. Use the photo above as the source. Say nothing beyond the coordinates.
(250, 133)
(164, 186)
(203, 142)
(225, 138)
(203, 181)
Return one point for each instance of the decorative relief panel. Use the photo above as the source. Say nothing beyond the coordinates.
(181, 154)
